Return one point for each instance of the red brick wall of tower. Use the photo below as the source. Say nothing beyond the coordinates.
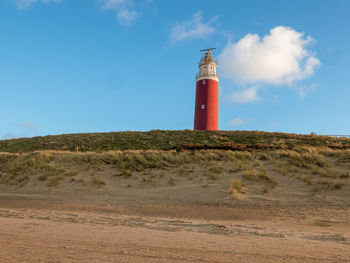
(206, 117)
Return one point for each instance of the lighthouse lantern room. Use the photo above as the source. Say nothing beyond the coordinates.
(207, 94)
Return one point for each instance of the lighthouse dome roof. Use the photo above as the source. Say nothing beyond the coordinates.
(207, 58)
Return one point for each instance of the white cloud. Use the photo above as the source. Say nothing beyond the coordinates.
(10, 135)
(24, 4)
(115, 4)
(126, 16)
(124, 9)
(245, 95)
(194, 28)
(28, 126)
(24, 129)
(237, 122)
(304, 90)
(279, 58)
(148, 2)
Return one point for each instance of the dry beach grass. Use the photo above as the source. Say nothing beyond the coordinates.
(252, 203)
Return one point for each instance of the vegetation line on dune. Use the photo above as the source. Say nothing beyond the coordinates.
(171, 140)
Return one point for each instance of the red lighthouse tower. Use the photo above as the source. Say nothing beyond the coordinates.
(207, 94)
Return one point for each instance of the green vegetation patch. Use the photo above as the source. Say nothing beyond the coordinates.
(167, 140)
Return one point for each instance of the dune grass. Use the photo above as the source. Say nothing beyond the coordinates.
(260, 175)
(54, 181)
(167, 140)
(303, 159)
(235, 187)
(315, 166)
(97, 182)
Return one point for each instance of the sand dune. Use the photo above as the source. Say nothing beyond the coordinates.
(289, 206)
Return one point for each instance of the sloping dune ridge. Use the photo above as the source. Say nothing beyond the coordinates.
(175, 196)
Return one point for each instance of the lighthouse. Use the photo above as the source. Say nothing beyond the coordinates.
(207, 94)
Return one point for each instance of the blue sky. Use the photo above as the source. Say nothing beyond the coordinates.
(71, 66)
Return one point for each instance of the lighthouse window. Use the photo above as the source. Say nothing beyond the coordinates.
(203, 107)
(203, 82)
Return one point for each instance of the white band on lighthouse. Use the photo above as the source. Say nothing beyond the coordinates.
(216, 78)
